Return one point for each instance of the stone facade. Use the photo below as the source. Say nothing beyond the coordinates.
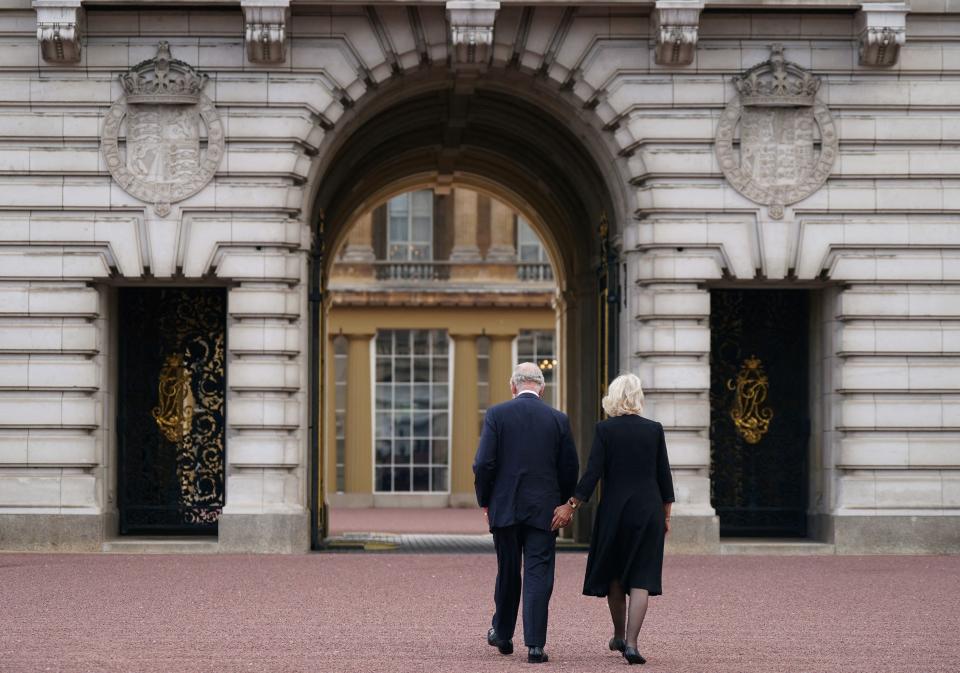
(564, 109)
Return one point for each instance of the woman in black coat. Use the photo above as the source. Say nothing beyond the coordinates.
(626, 550)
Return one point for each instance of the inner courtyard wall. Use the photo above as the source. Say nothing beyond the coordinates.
(878, 242)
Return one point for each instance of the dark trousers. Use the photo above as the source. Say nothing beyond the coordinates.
(535, 550)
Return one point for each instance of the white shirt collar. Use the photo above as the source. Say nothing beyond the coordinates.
(528, 392)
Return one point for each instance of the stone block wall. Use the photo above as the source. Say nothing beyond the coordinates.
(877, 243)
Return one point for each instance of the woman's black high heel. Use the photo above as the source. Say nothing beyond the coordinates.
(632, 656)
(618, 644)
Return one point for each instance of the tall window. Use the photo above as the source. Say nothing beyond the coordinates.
(340, 408)
(539, 347)
(483, 376)
(412, 436)
(410, 227)
(534, 262)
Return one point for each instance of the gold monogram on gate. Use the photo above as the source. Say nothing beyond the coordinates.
(751, 418)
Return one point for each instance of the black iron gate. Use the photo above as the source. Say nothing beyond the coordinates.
(759, 411)
(171, 409)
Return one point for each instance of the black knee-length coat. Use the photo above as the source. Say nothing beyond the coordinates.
(630, 454)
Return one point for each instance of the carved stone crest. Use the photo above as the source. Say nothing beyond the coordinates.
(776, 143)
(163, 140)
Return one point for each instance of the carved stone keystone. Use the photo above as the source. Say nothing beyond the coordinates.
(59, 29)
(265, 29)
(881, 28)
(471, 30)
(676, 25)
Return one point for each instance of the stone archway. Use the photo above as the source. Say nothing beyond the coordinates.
(511, 136)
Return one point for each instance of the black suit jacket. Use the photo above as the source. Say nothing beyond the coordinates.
(526, 463)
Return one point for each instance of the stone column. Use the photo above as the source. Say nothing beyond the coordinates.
(358, 461)
(502, 247)
(466, 404)
(465, 227)
(501, 367)
(359, 248)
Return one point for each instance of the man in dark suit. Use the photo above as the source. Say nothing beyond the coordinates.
(525, 466)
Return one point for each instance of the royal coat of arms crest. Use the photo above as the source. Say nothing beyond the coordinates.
(776, 143)
(163, 140)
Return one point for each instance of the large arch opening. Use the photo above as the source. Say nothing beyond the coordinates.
(511, 138)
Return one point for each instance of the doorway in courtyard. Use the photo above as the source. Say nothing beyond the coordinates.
(760, 411)
(171, 409)
(464, 224)
(432, 299)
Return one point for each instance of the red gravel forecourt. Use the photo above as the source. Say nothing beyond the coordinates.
(323, 613)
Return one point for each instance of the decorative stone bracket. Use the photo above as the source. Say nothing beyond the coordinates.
(676, 24)
(471, 30)
(59, 29)
(265, 29)
(881, 28)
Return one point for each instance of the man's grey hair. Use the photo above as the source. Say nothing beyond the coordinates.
(527, 375)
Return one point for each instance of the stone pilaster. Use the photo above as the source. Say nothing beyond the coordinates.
(358, 461)
(465, 427)
(501, 367)
(465, 227)
(502, 232)
(359, 248)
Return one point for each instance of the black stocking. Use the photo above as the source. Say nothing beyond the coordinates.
(638, 610)
(617, 602)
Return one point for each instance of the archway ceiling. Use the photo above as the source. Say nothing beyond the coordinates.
(501, 138)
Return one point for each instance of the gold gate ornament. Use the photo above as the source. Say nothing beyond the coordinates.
(751, 418)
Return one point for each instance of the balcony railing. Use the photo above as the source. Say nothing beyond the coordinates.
(539, 271)
(415, 271)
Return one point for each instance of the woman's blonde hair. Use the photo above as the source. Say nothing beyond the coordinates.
(624, 396)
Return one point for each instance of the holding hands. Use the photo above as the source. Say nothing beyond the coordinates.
(563, 514)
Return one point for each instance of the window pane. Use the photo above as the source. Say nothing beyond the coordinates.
(384, 373)
(401, 452)
(440, 370)
(421, 370)
(420, 252)
(422, 230)
(399, 204)
(384, 424)
(398, 230)
(402, 370)
(421, 396)
(423, 202)
(421, 479)
(401, 396)
(384, 450)
(384, 396)
(440, 397)
(440, 342)
(440, 451)
(421, 342)
(402, 423)
(384, 342)
(421, 451)
(421, 424)
(383, 479)
(401, 479)
(401, 340)
(440, 424)
(439, 479)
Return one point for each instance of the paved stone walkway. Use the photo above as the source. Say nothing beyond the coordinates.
(399, 613)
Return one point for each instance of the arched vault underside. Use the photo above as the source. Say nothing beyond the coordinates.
(501, 133)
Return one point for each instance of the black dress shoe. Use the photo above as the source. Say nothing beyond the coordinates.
(504, 646)
(536, 655)
(618, 644)
(632, 656)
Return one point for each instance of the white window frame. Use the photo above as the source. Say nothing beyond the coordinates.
(406, 245)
